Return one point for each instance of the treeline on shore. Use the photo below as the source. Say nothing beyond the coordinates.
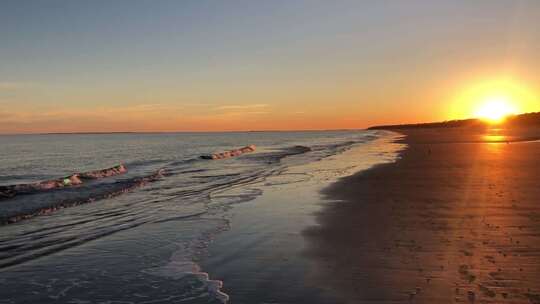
(520, 120)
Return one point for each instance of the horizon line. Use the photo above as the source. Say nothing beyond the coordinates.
(172, 132)
(250, 131)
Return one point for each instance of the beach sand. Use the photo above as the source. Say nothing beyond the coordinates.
(455, 220)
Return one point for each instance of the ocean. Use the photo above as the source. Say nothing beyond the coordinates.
(136, 237)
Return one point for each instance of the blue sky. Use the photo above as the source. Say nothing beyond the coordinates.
(301, 63)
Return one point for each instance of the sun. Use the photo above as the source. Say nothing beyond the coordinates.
(492, 99)
(495, 109)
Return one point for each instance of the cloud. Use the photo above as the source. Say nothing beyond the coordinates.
(139, 112)
(241, 113)
(12, 85)
(81, 120)
(4, 116)
(149, 106)
(196, 104)
(142, 109)
(144, 116)
(242, 107)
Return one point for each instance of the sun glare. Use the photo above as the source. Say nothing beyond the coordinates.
(493, 100)
(495, 109)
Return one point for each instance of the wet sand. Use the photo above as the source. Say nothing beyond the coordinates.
(259, 259)
(456, 220)
(262, 257)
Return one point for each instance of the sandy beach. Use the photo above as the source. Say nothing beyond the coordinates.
(455, 220)
(270, 152)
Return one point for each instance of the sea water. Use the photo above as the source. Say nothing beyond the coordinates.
(121, 241)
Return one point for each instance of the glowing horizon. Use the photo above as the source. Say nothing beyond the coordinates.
(170, 66)
(494, 99)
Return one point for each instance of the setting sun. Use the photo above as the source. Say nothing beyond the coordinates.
(493, 99)
(495, 109)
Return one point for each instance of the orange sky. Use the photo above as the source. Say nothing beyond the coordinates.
(142, 66)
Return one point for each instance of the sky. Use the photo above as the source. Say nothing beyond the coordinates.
(101, 66)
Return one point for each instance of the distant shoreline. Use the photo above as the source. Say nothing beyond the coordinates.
(520, 120)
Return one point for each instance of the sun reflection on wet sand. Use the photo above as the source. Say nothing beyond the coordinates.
(491, 138)
(495, 140)
(495, 135)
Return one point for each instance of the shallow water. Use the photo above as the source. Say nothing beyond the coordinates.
(264, 257)
(138, 243)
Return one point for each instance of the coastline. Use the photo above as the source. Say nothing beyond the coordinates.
(261, 257)
(453, 221)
